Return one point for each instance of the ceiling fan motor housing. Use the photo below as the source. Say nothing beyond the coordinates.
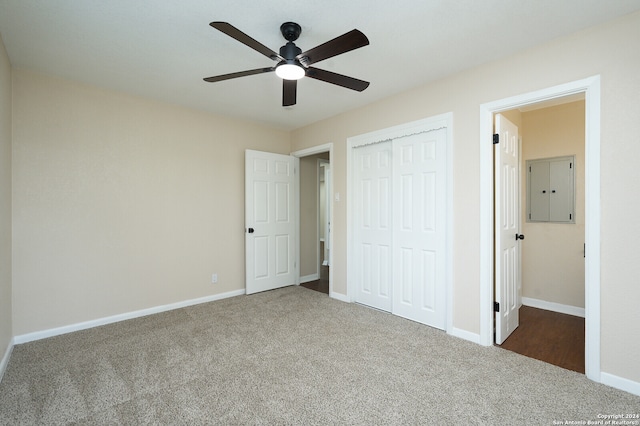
(289, 51)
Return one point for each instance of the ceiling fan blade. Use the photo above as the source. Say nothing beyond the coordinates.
(338, 79)
(235, 33)
(354, 39)
(238, 74)
(289, 89)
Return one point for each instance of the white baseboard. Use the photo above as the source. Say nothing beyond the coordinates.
(552, 306)
(308, 278)
(5, 359)
(464, 334)
(339, 296)
(29, 337)
(620, 383)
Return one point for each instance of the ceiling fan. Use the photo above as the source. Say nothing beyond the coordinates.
(292, 63)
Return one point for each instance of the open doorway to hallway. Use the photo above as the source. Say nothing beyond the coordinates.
(315, 203)
(551, 294)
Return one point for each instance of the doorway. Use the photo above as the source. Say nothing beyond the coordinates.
(551, 296)
(591, 89)
(315, 171)
(315, 215)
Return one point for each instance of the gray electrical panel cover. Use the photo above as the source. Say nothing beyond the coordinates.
(551, 190)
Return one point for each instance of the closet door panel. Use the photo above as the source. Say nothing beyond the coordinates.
(372, 231)
(419, 173)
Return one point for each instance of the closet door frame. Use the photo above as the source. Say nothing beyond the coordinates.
(395, 132)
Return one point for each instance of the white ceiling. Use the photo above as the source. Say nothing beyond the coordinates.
(162, 49)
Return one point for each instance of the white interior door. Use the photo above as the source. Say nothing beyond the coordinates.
(507, 228)
(372, 227)
(419, 227)
(269, 221)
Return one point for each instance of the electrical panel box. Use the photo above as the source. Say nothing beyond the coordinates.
(551, 190)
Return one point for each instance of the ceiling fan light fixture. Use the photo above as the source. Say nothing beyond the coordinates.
(290, 71)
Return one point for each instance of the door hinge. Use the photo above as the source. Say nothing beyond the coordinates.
(496, 307)
(496, 138)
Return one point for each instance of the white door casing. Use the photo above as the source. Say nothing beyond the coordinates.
(419, 222)
(324, 213)
(507, 227)
(591, 89)
(372, 230)
(270, 221)
(328, 147)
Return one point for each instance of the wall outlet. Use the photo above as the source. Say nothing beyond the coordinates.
(214, 278)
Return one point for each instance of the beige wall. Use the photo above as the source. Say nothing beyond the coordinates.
(552, 253)
(121, 203)
(514, 116)
(5, 201)
(309, 211)
(610, 50)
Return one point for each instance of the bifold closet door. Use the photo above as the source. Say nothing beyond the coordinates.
(419, 230)
(372, 224)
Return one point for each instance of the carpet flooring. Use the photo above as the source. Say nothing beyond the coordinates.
(288, 356)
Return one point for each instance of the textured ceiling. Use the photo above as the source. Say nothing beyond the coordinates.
(161, 49)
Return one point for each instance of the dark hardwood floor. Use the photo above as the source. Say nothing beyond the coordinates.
(321, 285)
(550, 337)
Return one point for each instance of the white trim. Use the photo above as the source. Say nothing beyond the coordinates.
(428, 124)
(310, 277)
(318, 149)
(351, 275)
(553, 306)
(320, 169)
(30, 337)
(296, 217)
(591, 87)
(5, 358)
(620, 383)
(464, 334)
(339, 296)
(435, 122)
(327, 147)
(449, 230)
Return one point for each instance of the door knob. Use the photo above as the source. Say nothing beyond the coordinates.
(251, 230)
(519, 237)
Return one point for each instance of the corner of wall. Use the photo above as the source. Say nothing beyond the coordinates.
(6, 311)
(5, 359)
